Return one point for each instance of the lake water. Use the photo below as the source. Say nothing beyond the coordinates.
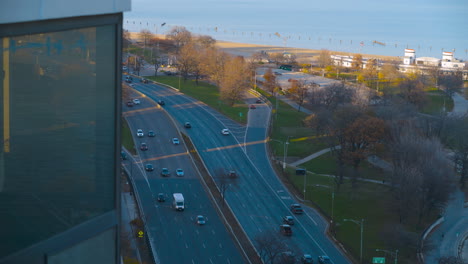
(428, 26)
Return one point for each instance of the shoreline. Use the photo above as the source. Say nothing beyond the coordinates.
(302, 55)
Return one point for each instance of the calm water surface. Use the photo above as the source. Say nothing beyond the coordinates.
(428, 26)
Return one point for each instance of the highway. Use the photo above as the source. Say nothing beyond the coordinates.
(176, 236)
(257, 197)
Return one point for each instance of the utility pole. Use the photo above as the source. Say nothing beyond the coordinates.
(360, 223)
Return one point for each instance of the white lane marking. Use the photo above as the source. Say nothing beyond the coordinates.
(220, 246)
(285, 197)
(203, 245)
(212, 231)
(229, 262)
(193, 262)
(186, 246)
(243, 205)
(196, 231)
(180, 231)
(211, 261)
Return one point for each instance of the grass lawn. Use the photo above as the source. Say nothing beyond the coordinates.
(368, 202)
(207, 93)
(436, 102)
(326, 164)
(127, 139)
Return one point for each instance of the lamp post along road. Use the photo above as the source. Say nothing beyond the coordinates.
(361, 223)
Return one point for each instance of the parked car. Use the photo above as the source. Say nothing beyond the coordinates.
(296, 208)
(140, 133)
(136, 101)
(225, 131)
(161, 102)
(151, 133)
(286, 230)
(161, 197)
(143, 146)
(289, 220)
(324, 260)
(149, 167)
(307, 259)
(165, 172)
(180, 172)
(187, 125)
(201, 220)
(175, 141)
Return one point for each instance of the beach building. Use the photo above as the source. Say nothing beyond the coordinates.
(410, 56)
(347, 61)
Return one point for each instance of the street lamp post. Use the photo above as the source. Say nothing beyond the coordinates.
(361, 223)
(393, 254)
(333, 204)
(286, 144)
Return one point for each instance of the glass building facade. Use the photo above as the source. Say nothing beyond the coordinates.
(60, 131)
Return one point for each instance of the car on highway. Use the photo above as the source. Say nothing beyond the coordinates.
(259, 101)
(286, 230)
(136, 101)
(129, 103)
(165, 172)
(123, 155)
(149, 167)
(289, 220)
(161, 197)
(161, 102)
(187, 125)
(180, 172)
(252, 106)
(151, 133)
(175, 141)
(144, 80)
(232, 174)
(201, 220)
(307, 259)
(140, 133)
(324, 260)
(225, 131)
(143, 146)
(296, 208)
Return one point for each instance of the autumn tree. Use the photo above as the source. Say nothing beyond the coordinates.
(235, 80)
(450, 83)
(324, 58)
(126, 39)
(298, 91)
(213, 64)
(187, 60)
(205, 41)
(388, 74)
(270, 81)
(411, 89)
(334, 95)
(370, 72)
(356, 63)
(136, 62)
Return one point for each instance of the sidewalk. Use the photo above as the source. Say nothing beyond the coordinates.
(130, 213)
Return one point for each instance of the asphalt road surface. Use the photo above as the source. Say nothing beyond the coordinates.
(256, 196)
(175, 235)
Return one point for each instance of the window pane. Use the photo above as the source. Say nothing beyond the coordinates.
(58, 132)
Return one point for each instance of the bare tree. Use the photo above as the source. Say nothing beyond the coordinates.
(451, 83)
(187, 60)
(334, 95)
(213, 64)
(324, 58)
(270, 246)
(411, 89)
(205, 41)
(145, 35)
(455, 137)
(450, 260)
(180, 36)
(235, 80)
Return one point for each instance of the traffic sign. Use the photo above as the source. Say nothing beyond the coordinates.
(378, 260)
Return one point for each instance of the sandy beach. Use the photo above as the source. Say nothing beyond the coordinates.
(246, 50)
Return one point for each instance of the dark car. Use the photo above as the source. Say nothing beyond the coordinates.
(289, 220)
(129, 103)
(149, 167)
(258, 101)
(307, 259)
(123, 155)
(286, 230)
(252, 107)
(165, 172)
(151, 133)
(161, 197)
(187, 125)
(296, 208)
(143, 146)
(161, 102)
(324, 260)
(232, 174)
(144, 81)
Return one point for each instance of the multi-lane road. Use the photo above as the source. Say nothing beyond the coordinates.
(256, 196)
(174, 235)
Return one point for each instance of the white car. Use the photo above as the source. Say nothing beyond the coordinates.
(180, 172)
(225, 131)
(136, 101)
(175, 141)
(140, 133)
